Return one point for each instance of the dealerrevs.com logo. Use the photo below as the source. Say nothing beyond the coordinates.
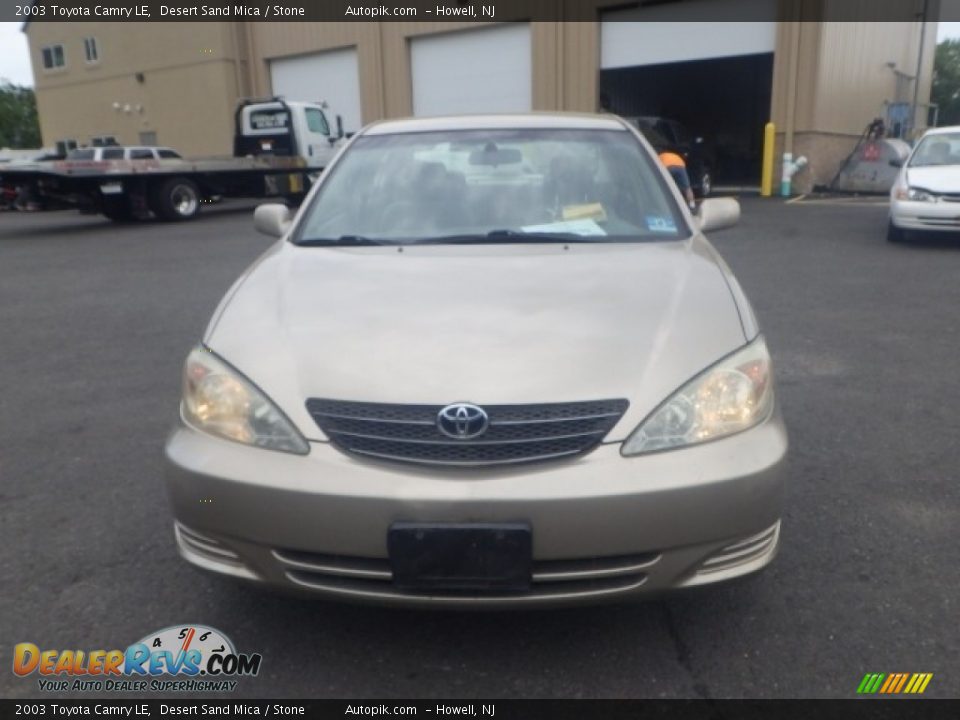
(180, 658)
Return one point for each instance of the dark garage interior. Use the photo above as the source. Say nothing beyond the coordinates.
(726, 101)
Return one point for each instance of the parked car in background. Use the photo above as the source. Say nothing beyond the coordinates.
(926, 194)
(17, 197)
(671, 136)
(541, 384)
(123, 152)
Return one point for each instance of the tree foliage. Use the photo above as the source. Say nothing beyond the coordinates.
(19, 125)
(945, 91)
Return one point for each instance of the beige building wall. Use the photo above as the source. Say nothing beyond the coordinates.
(832, 77)
(829, 78)
(180, 80)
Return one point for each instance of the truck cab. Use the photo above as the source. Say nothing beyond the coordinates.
(285, 129)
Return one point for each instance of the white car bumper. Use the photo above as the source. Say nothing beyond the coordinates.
(915, 215)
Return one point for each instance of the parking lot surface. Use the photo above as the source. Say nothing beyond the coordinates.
(96, 318)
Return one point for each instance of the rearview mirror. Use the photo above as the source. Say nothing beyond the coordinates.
(896, 162)
(496, 156)
(272, 219)
(718, 213)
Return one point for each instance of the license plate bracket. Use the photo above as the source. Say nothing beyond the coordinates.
(471, 557)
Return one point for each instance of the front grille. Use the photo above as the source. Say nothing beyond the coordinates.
(940, 221)
(373, 577)
(516, 433)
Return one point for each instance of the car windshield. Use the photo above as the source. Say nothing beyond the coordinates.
(493, 186)
(939, 149)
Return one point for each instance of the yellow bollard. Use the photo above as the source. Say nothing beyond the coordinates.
(766, 181)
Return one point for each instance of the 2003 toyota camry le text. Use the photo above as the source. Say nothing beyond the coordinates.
(492, 361)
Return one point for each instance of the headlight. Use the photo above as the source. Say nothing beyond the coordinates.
(219, 400)
(733, 395)
(911, 193)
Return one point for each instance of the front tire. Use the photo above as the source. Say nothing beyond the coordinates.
(895, 234)
(176, 199)
(706, 184)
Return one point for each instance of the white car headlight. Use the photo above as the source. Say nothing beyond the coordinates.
(918, 194)
(219, 400)
(732, 396)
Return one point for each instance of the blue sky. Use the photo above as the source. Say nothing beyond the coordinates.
(15, 61)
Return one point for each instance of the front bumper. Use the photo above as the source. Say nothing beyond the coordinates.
(943, 216)
(604, 526)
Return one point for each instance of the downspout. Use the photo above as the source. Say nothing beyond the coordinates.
(916, 80)
(791, 166)
(235, 29)
(793, 72)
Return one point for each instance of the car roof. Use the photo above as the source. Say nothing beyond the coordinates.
(552, 121)
(942, 130)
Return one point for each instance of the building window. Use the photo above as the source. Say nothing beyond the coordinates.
(53, 57)
(90, 50)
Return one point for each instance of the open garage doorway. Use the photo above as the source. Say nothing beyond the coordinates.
(725, 101)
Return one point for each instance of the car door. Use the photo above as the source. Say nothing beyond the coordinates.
(317, 146)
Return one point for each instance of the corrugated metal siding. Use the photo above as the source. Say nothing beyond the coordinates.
(854, 79)
(581, 63)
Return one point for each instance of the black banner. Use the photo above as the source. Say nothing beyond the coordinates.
(462, 10)
(857, 709)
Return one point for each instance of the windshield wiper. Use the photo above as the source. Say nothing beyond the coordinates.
(517, 236)
(343, 241)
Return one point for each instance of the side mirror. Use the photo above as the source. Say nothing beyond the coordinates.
(718, 213)
(272, 219)
(896, 162)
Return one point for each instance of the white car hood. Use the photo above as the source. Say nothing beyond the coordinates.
(479, 323)
(938, 178)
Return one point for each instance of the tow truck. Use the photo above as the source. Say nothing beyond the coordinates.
(279, 149)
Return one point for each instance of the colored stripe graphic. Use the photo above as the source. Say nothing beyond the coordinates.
(894, 683)
(903, 680)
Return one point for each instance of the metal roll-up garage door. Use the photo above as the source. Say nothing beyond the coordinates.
(706, 85)
(473, 71)
(642, 36)
(330, 76)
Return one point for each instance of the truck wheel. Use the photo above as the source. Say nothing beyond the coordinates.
(176, 199)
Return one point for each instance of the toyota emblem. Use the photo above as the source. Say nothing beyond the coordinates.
(462, 421)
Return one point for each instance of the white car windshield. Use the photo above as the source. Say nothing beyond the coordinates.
(529, 185)
(939, 149)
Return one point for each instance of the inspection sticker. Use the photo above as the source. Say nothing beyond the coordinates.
(656, 223)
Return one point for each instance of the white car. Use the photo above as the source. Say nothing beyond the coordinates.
(926, 194)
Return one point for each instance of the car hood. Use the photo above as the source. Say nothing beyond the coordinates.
(485, 324)
(938, 178)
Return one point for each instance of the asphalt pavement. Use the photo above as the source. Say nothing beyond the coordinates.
(96, 318)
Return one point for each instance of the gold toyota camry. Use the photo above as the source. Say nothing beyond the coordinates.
(492, 361)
